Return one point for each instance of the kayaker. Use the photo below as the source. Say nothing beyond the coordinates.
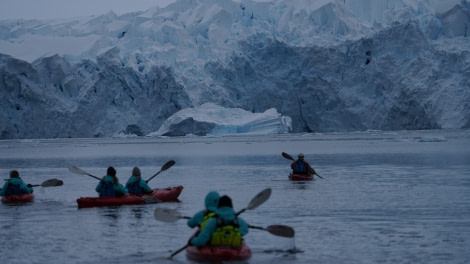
(200, 218)
(15, 185)
(136, 185)
(224, 229)
(109, 185)
(300, 166)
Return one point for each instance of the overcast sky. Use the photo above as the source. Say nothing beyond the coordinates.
(43, 9)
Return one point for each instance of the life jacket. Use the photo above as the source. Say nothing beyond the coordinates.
(226, 234)
(300, 167)
(107, 189)
(13, 189)
(207, 216)
(135, 188)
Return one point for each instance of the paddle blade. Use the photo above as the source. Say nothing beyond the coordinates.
(259, 199)
(167, 215)
(76, 170)
(167, 165)
(287, 156)
(52, 182)
(150, 200)
(281, 230)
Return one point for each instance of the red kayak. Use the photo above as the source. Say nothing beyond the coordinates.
(218, 254)
(300, 177)
(169, 194)
(18, 199)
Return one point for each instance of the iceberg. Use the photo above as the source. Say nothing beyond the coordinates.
(212, 119)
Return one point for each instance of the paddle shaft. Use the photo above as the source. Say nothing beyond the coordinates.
(147, 181)
(165, 166)
(241, 211)
(93, 176)
(178, 251)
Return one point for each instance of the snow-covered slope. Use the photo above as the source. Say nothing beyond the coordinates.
(330, 65)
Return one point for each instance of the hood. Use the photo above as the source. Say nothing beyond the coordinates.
(212, 200)
(226, 213)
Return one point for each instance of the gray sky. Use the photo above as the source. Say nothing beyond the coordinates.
(44, 9)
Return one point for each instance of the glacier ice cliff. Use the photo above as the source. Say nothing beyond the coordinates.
(329, 65)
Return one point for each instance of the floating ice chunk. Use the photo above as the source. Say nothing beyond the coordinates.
(211, 119)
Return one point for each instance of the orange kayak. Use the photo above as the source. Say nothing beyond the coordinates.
(18, 199)
(169, 194)
(218, 254)
(300, 177)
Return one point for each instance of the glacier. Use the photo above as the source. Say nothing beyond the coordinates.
(328, 65)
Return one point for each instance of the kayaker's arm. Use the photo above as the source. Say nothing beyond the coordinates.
(204, 236)
(243, 227)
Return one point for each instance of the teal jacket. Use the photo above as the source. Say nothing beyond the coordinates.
(119, 188)
(16, 181)
(145, 187)
(227, 215)
(211, 201)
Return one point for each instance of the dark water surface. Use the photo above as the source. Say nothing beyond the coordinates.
(387, 197)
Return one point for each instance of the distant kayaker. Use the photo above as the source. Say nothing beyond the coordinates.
(224, 229)
(300, 166)
(136, 184)
(202, 217)
(15, 185)
(109, 185)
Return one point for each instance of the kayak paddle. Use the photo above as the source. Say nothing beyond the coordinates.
(165, 167)
(287, 156)
(77, 170)
(49, 183)
(277, 230)
(168, 215)
(258, 200)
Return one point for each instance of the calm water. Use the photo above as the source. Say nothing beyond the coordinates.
(387, 197)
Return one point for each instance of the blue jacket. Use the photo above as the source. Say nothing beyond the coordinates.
(142, 183)
(211, 201)
(118, 188)
(227, 215)
(17, 181)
